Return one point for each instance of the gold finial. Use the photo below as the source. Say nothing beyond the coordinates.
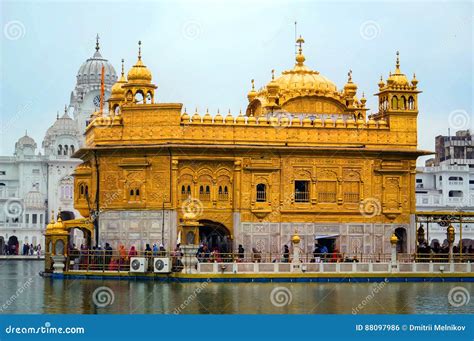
(97, 47)
(123, 71)
(139, 50)
(52, 216)
(253, 85)
(398, 60)
(185, 110)
(229, 111)
(273, 74)
(300, 42)
(195, 111)
(363, 93)
(349, 75)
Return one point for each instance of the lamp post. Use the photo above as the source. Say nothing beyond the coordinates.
(450, 233)
(296, 262)
(393, 242)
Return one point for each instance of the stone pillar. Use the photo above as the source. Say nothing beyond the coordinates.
(393, 261)
(58, 264)
(190, 236)
(296, 262)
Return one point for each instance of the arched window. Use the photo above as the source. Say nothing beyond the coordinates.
(223, 193)
(60, 149)
(394, 102)
(139, 97)
(149, 98)
(134, 194)
(261, 193)
(411, 103)
(72, 149)
(66, 149)
(204, 193)
(403, 103)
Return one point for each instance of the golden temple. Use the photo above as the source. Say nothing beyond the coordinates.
(303, 156)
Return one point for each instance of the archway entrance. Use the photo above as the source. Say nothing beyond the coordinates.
(13, 245)
(401, 234)
(215, 234)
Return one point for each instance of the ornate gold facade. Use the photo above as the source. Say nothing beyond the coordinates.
(305, 155)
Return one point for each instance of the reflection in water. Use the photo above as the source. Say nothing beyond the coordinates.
(74, 296)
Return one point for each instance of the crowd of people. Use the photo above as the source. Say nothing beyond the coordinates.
(27, 250)
(106, 258)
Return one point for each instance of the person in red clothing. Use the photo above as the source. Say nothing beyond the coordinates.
(133, 252)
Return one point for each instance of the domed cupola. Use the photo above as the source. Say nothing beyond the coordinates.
(91, 70)
(34, 200)
(139, 89)
(25, 146)
(117, 94)
(298, 90)
(397, 79)
(62, 138)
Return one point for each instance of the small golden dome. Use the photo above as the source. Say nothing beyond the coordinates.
(207, 118)
(139, 73)
(381, 83)
(363, 100)
(59, 222)
(196, 117)
(229, 118)
(397, 78)
(240, 119)
(350, 86)
(252, 93)
(393, 239)
(117, 89)
(251, 120)
(414, 81)
(185, 116)
(295, 238)
(218, 118)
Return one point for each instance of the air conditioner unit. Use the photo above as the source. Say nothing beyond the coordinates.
(161, 265)
(138, 264)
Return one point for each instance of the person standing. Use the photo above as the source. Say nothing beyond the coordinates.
(286, 254)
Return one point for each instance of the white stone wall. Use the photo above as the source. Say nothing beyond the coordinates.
(137, 228)
(365, 238)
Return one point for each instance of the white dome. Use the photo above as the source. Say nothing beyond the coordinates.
(64, 125)
(91, 70)
(34, 200)
(25, 141)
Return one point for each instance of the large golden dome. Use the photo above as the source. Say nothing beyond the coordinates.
(303, 78)
(299, 89)
(139, 73)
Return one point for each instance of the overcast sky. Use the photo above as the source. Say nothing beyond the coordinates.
(204, 53)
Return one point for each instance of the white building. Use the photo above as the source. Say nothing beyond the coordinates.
(32, 184)
(446, 183)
